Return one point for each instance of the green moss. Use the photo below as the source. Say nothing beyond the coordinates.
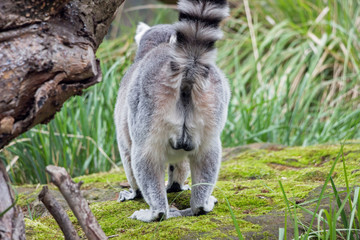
(249, 181)
(114, 176)
(44, 228)
(312, 175)
(27, 194)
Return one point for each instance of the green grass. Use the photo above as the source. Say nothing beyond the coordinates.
(294, 76)
(302, 88)
(328, 224)
(332, 220)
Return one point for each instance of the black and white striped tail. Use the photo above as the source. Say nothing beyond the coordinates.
(198, 30)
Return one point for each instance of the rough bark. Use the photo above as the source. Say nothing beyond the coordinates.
(80, 207)
(11, 218)
(47, 54)
(59, 214)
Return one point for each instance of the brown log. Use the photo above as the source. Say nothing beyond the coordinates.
(59, 214)
(12, 226)
(47, 54)
(80, 207)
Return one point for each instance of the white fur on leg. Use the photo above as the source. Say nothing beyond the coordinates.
(140, 30)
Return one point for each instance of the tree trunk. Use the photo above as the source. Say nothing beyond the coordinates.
(11, 218)
(47, 54)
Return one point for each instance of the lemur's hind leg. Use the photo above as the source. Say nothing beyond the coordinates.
(204, 172)
(149, 173)
(134, 191)
(178, 173)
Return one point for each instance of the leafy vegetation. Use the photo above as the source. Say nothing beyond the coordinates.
(294, 72)
(293, 67)
(327, 218)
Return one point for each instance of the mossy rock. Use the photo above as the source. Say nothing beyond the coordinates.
(248, 180)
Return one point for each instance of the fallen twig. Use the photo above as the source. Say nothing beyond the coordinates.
(80, 207)
(59, 214)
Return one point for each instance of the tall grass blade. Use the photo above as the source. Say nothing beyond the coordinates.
(281, 234)
(323, 189)
(234, 220)
(342, 212)
(352, 216)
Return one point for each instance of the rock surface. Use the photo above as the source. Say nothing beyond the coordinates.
(249, 180)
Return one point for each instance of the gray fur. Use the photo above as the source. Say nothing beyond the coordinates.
(178, 173)
(171, 109)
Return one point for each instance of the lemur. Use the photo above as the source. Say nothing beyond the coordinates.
(171, 108)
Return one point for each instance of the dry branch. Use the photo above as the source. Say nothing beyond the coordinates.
(59, 214)
(11, 218)
(80, 207)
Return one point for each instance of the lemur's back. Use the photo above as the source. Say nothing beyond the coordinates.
(172, 107)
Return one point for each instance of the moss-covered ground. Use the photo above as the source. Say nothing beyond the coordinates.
(249, 179)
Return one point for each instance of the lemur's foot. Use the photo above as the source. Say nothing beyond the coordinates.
(208, 207)
(176, 187)
(129, 195)
(147, 215)
(201, 210)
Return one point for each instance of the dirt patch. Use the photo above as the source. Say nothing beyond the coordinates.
(282, 167)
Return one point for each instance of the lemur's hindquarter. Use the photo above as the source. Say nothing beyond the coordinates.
(171, 109)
